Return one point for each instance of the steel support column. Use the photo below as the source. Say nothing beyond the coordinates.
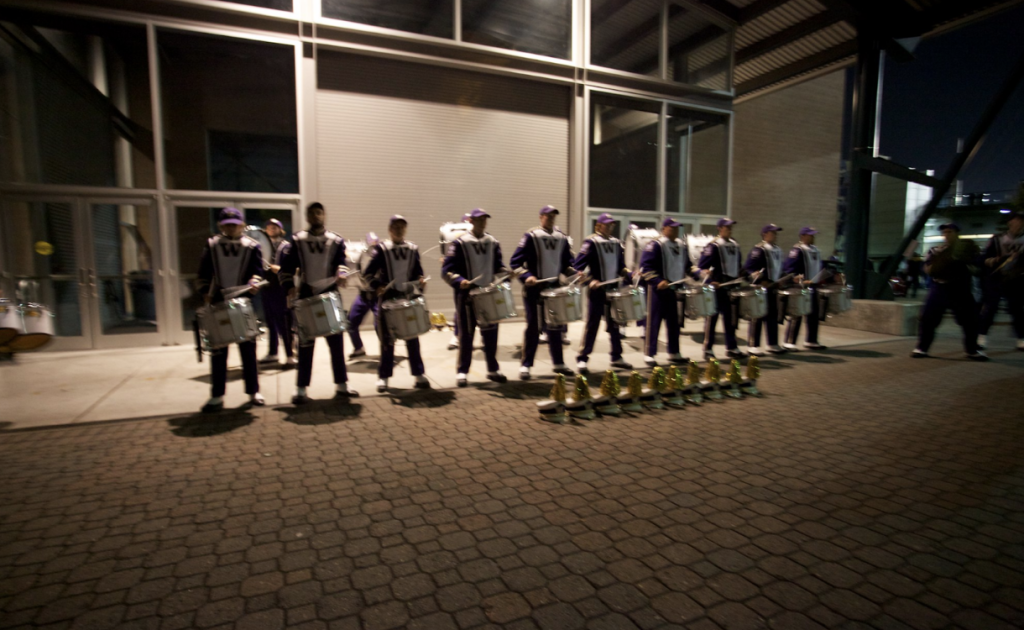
(865, 94)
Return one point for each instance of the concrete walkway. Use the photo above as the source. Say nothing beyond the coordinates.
(73, 387)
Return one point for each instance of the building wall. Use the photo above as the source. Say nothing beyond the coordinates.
(786, 155)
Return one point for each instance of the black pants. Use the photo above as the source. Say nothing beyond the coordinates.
(943, 297)
(793, 328)
(336, 344)
(769, 322)
(219, 369)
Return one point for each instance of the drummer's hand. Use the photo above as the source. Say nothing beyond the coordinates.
(381, 290)
(207, 299)
(275, 268)
(716, 284)
(663, 285)
(532, 280)
(253, 288)
(422, 282)
(465, 284)
(594, 284)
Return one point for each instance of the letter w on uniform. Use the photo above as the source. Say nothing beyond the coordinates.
(607, 248)
(315, 247)
(549, 243)
(400, 253)
(230, 249)
(479, 248)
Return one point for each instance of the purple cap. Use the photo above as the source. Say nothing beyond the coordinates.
(949, 226)
(771, 227)
(275, 222)
(478, 213)
(605, 218)
(397, 217)
(725, 222)
(670, 222)
(549, 209)
(231, 216)
(808, 231)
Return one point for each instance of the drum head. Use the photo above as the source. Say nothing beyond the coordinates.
(31, 341)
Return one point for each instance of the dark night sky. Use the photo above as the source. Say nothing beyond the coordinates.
(930, 102)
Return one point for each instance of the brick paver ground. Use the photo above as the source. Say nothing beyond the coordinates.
(865, 490)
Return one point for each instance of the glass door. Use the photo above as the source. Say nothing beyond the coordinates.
(123, 256)
(45, 263)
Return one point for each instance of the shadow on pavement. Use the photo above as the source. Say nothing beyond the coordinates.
(520, 390)
(319, 412)
(817, 357)
(422, 398)
(859, 354)
(210, 424)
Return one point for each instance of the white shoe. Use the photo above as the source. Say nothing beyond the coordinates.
(791, 347)
(256, 400)
(650, 362)
(497, 377)
(918, 354)
(561, 368)
(344, 391)
(581, 367)
(982, 341)
(454, 343)
(290, 361)
(270, 358)
(422, 382)
(755, 352)
(776, 349)
(461, 380)
(542, 337)
(382, 385)
(524, 373)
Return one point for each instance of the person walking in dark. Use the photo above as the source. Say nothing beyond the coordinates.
(951, 267)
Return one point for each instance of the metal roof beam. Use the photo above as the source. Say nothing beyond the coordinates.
(723, 8)
(757, 9)
(893, 169)
(823, 58)
(610, 8)
(788, 35)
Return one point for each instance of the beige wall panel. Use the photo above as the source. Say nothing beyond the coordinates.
(786, 161)
(432, 161)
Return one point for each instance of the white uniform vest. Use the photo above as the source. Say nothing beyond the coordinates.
(231, 259)
(479, 253)
(316, 251)
(729, 254)
(673, 259)
(398, 257)
(812, 260)
(772, 260)
(549, 251)
(607, 255)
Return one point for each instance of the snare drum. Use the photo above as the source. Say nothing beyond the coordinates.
(838, 298)
(39, 328)
(406, 318)
(795, 301)
(753, 302)
(12, 323)
(319, 316)
(493, 304)
(700, 302)
(562, 305)
(228, 322)
(628, 305)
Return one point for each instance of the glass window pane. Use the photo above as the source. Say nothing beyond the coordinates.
(426, 17)
(697, 164)
(626, 35)
(44, 260)
(280, 5)
(194, 226)
(542, 27)
(699, 49)
(623, 153)
(76, 107)
(229, 113)
(122, 242)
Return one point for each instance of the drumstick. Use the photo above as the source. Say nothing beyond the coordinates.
(231, 293)
(601, 284)
(710, 269)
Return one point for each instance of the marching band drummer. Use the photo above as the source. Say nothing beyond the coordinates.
(765, 260)
(320, 255)
(603, 254)
(275, 299)
(1004, 277)
(472, 260)
(230, 259)
(542, 253)
(664, 261)
(805, 262)
(720, 262)
(394, 271)
(364, 303)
